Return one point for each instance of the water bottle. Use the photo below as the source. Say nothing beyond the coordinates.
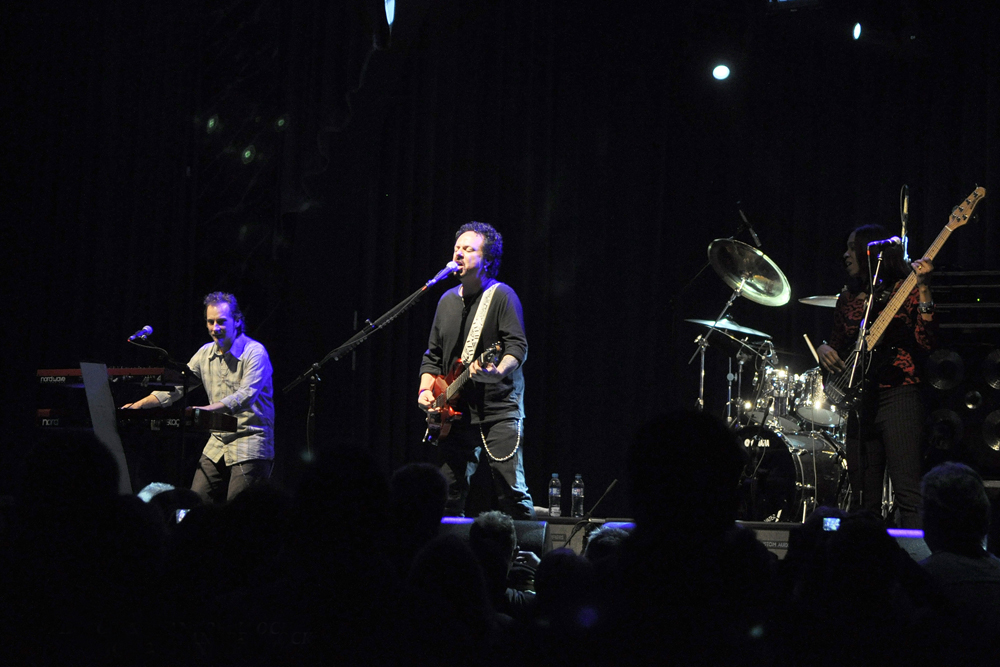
(578, 496)
(555, 495)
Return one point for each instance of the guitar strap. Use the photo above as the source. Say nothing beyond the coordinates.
(469, 352)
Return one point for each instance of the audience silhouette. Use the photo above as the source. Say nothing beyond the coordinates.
(353, 567)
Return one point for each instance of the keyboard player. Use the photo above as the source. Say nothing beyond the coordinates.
(236, 373)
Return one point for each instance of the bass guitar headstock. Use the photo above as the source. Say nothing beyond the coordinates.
(961, 214)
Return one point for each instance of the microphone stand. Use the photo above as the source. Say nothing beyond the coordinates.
(585, 519)
(312, 372)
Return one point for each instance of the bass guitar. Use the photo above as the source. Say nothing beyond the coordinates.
(446, 389)
(844, 388)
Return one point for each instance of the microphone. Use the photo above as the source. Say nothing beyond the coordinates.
(886, 243)
(449, 268)
(750, 228)
(141, 333)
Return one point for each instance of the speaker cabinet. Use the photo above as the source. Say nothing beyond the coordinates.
(962, 381)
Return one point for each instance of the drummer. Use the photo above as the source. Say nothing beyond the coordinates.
(885, 430)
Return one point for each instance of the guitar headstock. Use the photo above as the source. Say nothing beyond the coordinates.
(961, 214)
(491, 355)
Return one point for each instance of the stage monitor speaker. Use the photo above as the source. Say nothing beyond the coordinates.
(772, 534)
(531, 535)
(562, 535)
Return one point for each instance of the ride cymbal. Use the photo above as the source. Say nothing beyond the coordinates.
(750, 271)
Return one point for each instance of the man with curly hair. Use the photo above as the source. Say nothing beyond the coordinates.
(492, 404)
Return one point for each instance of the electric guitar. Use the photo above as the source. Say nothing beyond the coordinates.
(446, 389)
(844, 388)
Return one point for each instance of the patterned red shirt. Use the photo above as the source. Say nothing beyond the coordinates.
(909, 333)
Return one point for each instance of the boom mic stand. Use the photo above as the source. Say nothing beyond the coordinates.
(312, 372)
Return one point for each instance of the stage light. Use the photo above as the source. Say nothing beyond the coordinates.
(721, 72)
(857, 31)
(390, 11)
(248, 154)
(212, 125)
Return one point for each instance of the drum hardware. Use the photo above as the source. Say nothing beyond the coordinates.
(742, 348)
(749, 273)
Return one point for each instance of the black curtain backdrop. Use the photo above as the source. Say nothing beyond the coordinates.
(161, 151)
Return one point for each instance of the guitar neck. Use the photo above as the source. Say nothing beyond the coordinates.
(459, 382)
(877, 330)
(457, 385)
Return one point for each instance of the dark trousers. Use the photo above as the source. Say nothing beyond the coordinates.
(888, 436)
(459, 456)
(217, 482)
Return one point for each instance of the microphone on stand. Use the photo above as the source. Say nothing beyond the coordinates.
(746, 222)
(906, 223)
(449, 268)
(141, 333)
(886, 243)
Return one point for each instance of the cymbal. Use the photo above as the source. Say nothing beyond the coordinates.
(729, 325)
(749, 270)
(822, 301)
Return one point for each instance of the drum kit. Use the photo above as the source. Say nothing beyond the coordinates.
(793, 435)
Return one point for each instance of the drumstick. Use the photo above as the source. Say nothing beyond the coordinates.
(811, 348)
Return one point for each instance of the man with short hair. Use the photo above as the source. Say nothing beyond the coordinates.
(956, 518)
(492, 404)
(236, 373)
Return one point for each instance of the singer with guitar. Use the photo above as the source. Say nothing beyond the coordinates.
(885, 425)
(487, 414)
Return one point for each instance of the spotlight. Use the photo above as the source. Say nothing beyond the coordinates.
(720, 72)
(390, 11)
(857, 31)
(212, 125)
(248, 154)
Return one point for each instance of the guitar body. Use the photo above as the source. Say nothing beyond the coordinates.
(845, 391)
(446, 391)
(439, 422)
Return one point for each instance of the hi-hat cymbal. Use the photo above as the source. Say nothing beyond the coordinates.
(729, 325)
(822, 301)
(747, 269)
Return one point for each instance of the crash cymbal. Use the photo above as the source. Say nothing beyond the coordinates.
(729, 325)
(749, 270)
(822, 301)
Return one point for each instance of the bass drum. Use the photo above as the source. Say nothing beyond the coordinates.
(789, 474)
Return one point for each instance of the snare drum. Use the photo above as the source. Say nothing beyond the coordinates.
(789, 474)
(774, 383)
(811, 404)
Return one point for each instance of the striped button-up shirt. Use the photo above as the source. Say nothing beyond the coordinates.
(240, 379)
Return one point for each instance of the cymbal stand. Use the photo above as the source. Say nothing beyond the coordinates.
(702, 342)
(729, 393)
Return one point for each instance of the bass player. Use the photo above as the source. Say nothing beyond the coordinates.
(491, 406)
(885, 429)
